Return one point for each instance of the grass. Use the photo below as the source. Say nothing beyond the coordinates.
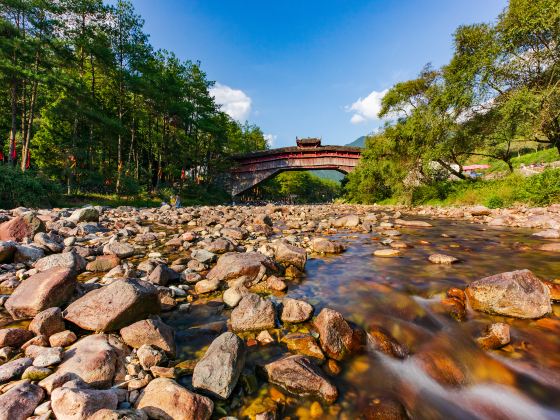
(110, 200)
(545, 155)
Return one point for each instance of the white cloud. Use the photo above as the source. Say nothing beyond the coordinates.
(234, 102)
(366, 108)
(270, 139)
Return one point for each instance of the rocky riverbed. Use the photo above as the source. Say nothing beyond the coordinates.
(331, 311)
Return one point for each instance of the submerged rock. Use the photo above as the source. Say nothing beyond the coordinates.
(335, 334)
(518, 294)
(442, 259)
(219, 369)
(325, 246)
(495, 336)
(300, 376)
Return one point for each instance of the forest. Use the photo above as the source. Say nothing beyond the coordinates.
(495, 100)
(87, 105)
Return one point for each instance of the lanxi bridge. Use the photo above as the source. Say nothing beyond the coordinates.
(253, 168)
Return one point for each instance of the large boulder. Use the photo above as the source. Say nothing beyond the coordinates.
(300, 376)
(248, 267)
(21, 227)
(95, 359)
(80, 403)
(150, 331)
(335, 334)
(48, 322)
(517, 294)
(86, 214)
(253, 313)
(28, 253)
(44, 290)
(287, 254)
(19, 402)
(219, 369)
(7, 251)
(70, 260)
(165, 399)
(114, 306)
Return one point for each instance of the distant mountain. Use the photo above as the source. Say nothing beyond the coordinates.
(359, 142)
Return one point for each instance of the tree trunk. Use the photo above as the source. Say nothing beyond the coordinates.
(11, 155)
(450, 169)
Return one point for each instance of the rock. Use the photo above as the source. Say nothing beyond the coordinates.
(442, 259)
(554, 289)
(325, 246)
(303, 344)
(295, 311)
(553, 247)
(19, 402)
(14, 368)
(495, 336)
(28, 254)
(125, 414)
(204, 256)
(44, 356)
(36, 374)
(149, 356)
(480, 211)
(62, 339)
(48, 289)
(546, 234)
(233, 295)
(48, 322)
(95, 359)
(385, 408)
(253, 314)
(165, 399)
(385, 252)
(48, 242)
(219, 246)
(264, 337)
(412, 223)
(287, 254)
(14, 337)
(518, 294)
(7, 251)
(381, 340)
(219, 369)
(69, 260)
(21, 227)
(299, 375)
(114, 306)
(249, 267)
(335, 334)
(120, 249)
(103, 263)
(163, 372)
(347, 221)
(163, 275)
(86, 214)
(150, 331)
(206, 286)
(73, 403)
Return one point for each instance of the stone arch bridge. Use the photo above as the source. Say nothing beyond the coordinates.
(253, 168)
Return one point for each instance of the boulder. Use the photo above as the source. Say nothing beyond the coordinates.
(442, 259)
(349, 221)
(120, 249)
(44, 356)
(48, 242)
(86, 214)
(14, 337)
(164, 399)
(48, 322)
(249, 267)
(63, 339)
(335, 334)
(107, 414)
(300, 376)
(103, 263)
(162, 275)
(206, 286)
(114, 306)
(19, 402)
(50, 288)
(28, 254)
(14, 368)
(95, 359)
(287, 254)
(203, 255)
(480, 211)
(253, 313)
(552, 247)
(219, 369)
(295, 311)
(325, 246)
(80, 403)
(380, 340)
(66, 260)
(517, 294)
(149, 356)
(21, 227)
(304, 344)
(7, 251)
(150, 331)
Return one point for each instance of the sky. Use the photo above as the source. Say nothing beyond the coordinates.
(310, 68)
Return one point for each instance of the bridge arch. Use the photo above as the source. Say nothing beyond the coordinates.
(254, 168)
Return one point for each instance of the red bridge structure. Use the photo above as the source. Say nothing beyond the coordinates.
(254, 168)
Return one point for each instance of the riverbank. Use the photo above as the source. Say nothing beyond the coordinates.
(258, 312)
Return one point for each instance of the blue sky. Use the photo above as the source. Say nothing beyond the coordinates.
(309, 68)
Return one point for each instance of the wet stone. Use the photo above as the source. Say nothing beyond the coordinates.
(253, 314)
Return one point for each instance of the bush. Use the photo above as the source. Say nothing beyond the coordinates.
(29, 189)
(494, 202)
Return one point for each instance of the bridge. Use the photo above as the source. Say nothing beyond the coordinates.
(253, 168)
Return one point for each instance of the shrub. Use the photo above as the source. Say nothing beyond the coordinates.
(494, 202)
(29, 189)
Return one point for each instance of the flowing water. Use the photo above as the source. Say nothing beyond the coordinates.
(403, 295)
